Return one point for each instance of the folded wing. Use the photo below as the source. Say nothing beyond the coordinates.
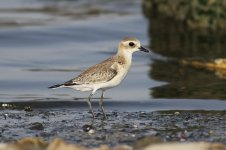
(99, 73)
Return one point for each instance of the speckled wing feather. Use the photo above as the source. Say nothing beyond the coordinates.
(99, 73)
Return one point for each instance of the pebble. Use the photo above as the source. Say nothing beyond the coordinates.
(89, 129)
(28, 109)
(211, 132)
(135, 126)
(5, 116)
(177, 113)
(145, 141)
(36, 126)
(133, 135)
(4, 105)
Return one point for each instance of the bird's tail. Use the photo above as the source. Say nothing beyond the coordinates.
(56, 86)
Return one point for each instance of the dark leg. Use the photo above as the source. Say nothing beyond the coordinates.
(90, 105)
(101, 104)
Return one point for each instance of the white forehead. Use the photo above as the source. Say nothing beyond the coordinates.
(130, 39)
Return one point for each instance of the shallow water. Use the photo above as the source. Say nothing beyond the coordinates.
(34, 57)
(57, 40)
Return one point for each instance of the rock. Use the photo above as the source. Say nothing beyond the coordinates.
(7, 106)
(196, 14)
(104, 147)
(177, 113)
(144, 142)
(5, 116)
(218, 65)
(3, 146)
(28, 109)
(39, 144)
(186, 146)
(31, 144)
(88, 128)
(36, 126)
(122, 147)
(151, 143)
(58, 144)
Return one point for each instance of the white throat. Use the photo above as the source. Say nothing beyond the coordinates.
(127, 55)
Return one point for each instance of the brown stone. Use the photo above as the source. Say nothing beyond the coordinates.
(186, 146)
(122, 147)
(58, 144)
(104, 147)
(31, 143)
(144, 142)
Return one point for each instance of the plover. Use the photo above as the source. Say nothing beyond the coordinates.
(107, 74)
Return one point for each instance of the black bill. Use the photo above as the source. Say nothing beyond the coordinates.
(144, 49)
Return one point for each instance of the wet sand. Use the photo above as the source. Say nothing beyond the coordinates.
(75, 125)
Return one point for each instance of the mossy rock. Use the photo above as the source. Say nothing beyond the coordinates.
(196, 14)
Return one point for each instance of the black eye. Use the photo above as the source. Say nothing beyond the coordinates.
(131, 44)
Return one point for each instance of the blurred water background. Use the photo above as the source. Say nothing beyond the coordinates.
(45, 42)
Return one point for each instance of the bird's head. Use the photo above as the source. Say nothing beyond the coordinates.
(130, 45)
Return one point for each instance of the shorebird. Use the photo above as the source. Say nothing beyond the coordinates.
(107, 74)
